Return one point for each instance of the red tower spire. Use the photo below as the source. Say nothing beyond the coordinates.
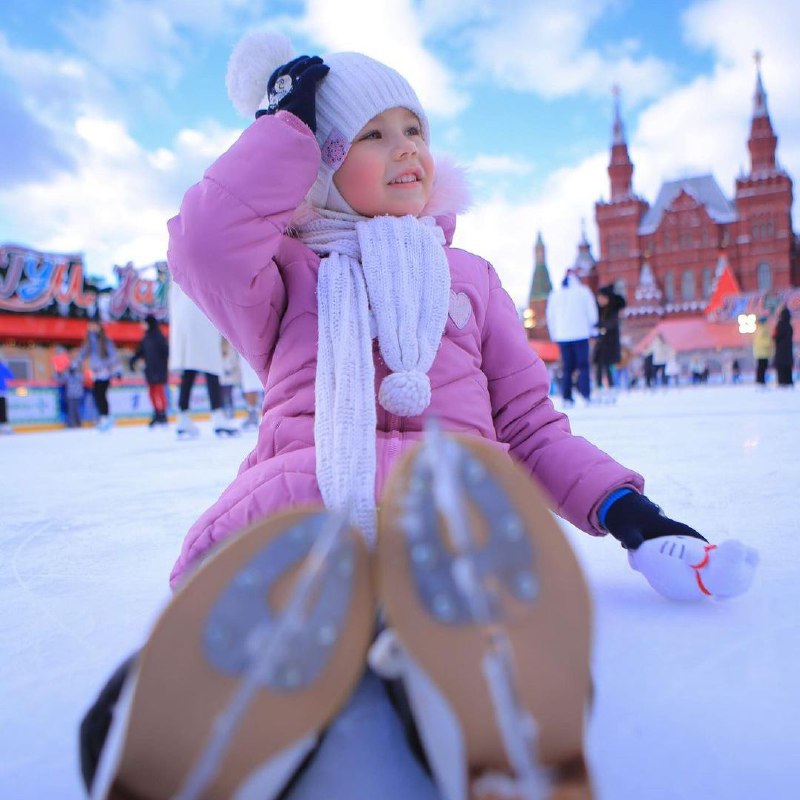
(763, 141)
(620, 168)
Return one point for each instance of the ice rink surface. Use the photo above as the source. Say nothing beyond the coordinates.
(693, 701)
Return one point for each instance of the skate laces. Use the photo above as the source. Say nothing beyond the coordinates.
(267, 644)
(517, 728)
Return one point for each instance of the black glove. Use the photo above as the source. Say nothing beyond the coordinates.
(633, 519)
(293, 88)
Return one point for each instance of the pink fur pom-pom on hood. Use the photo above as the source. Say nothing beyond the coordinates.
(450, 194)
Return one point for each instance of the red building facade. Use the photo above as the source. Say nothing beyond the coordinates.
(664, 257)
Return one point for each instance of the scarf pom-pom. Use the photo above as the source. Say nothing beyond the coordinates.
(406, 394)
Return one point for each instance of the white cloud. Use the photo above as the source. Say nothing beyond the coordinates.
(115, 204)
(134, 38)
(500, 164)
(503, 231)
(52, 85)
(542, 47)
(391, 32)
(126, 38)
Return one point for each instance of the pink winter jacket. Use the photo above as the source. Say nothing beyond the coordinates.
(230, 252)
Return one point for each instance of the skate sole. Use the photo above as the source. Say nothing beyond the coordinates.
(550, 636)
(179, 693)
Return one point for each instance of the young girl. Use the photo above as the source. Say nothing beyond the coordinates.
(320, 246)
(104, 364)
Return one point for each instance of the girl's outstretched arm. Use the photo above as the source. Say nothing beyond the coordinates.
(577, 475)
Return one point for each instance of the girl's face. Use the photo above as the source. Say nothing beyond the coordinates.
(388, 169)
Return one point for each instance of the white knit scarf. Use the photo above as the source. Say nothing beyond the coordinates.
(390, 273)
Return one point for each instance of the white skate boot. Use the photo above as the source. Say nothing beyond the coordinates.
(221, 425)
(186, 429)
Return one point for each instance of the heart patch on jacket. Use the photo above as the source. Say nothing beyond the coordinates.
(460, 309)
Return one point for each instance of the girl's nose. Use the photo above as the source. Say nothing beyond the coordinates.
(404, 146)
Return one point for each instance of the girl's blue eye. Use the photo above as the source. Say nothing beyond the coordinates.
(414, 131)
(372, 135)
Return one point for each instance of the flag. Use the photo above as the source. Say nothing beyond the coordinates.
(724, 285)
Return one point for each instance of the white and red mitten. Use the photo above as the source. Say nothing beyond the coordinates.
(675, 559)
(687, 568)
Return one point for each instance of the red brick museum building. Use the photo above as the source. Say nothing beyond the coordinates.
(664, 257)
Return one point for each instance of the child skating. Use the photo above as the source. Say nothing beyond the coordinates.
(319, 245)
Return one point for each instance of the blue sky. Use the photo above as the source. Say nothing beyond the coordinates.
(112, 108)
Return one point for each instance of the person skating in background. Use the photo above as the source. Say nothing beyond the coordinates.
(330, 208)
(101, 354)
(607, 350)
(783, 360)
(230, 376)
(5, 375)
(253, 393)
(59, 363)
(153, 349)
(194, 348)
(72, 382)
(659, 353)
(572, 320)
(763, 349)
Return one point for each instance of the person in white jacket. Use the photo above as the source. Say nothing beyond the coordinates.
(194, 347)
(572, 320)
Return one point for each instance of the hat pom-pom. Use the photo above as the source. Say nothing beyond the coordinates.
(406, 394)
(252, 62)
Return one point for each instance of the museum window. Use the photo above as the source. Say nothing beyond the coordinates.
(764, 277)
(669, 286)
(687, 285)
(707, 280)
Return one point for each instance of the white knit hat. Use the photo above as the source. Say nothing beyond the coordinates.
(356, 89)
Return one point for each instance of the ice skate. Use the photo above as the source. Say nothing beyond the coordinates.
(490, 624)
(5, 429)
(605, 396)
(159, 418)
(186, 428)
(251, 421)
(685, 568)
(104, 424)
(249, 662)
(222, 425)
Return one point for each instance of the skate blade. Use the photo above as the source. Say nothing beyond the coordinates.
(544, 611)
(192, 664)
(223, 433)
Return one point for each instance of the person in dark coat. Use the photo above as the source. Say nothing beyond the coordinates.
(607, 351)
(154, 349)
(783, 361)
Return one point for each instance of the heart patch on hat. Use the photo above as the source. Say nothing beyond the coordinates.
(334, 149)
(459, 309)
